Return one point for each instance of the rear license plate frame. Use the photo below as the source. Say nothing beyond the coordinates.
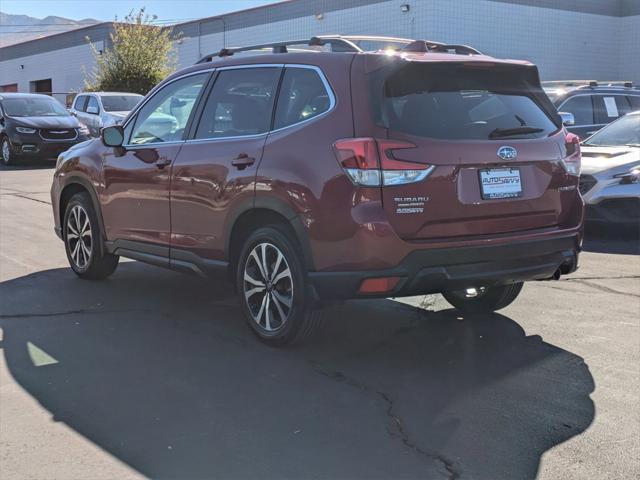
(500, 195)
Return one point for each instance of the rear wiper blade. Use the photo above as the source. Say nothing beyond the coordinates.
(507, 132)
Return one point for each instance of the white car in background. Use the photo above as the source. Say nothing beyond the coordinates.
(101, 109)
(610, 178)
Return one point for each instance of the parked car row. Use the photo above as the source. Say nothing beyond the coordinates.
(38, 127)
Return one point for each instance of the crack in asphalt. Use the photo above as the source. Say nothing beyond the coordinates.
(26, 197)
(586, 281)
(396, 421)
(602, 288)
(71, 312)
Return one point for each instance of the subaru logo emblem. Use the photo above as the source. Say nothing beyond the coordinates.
(507, 153)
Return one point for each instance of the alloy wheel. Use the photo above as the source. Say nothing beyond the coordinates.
(79, 238)
(268, 287)
(6, 151)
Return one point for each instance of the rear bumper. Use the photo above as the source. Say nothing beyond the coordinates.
(437, 270)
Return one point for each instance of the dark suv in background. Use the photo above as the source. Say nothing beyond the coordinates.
(36, 127)
(320, 171)
(592, 104)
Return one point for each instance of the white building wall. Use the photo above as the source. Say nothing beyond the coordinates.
(564, 44)
(629, 52)
(66, 68)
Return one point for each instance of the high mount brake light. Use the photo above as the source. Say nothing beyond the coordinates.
(369, 162)
(572, 162)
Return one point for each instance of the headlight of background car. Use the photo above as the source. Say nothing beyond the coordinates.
(632, 176)
(26, 130)
(83, 130)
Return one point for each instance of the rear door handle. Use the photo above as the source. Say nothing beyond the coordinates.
(242, 161)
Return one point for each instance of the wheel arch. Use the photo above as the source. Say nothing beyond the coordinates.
(72, 186)
(260, 212)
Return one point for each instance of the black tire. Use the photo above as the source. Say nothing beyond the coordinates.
(264, 309)
(5, 146)
(83, 240)
(489, 299)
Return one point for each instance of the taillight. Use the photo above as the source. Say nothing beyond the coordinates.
(370, 163)
(572, 162)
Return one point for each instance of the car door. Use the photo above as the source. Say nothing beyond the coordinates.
(136, 191)
(78, 110)
(93, 116)
(215, 171)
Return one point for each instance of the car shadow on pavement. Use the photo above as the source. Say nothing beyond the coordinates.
(161, 372)
(603, 238)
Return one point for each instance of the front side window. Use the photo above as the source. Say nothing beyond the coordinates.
(164, 117)
(581, 108)
(459, 102)
(302, 96)
(240, 103)
(80, 103)
(92, 105)
(34, 107)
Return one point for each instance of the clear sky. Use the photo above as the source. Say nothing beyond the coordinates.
(106, 10)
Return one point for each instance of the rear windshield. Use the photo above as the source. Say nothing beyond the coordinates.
(458, 102)
(33, 107)
(120, 103)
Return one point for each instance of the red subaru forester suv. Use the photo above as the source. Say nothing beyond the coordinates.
(341, 167)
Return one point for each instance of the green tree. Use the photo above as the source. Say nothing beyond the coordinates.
(140, 55)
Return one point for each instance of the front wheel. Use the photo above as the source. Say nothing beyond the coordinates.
(5, 152)
(82, 237)
(270, 281)
(483, 299)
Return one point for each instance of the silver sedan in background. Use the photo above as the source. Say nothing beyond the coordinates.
(610, 178)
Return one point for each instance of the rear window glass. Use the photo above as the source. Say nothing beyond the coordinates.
(120, 103)
(455, 102)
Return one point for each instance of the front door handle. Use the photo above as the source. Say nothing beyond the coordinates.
(163, 162)
(242, 161)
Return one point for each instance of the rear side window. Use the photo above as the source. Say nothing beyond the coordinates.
(634, 101)
(457, 102)
(80, 103)
(240, 103)
(581, 108)
(610, 107)
(302, 96)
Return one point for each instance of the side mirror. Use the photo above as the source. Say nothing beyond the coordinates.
(92, 110)
(112, 136)
(567, 119)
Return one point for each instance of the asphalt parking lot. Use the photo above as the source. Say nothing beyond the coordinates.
(154, 374)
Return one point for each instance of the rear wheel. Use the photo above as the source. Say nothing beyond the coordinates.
(270, 280)
(82, 240)
(483, 299)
